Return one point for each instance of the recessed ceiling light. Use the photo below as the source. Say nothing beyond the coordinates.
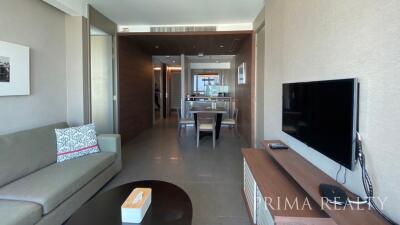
(174, 67)
(221, 46)
(201, 54)
(156, 46)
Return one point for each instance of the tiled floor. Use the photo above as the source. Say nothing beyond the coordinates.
(211, 177)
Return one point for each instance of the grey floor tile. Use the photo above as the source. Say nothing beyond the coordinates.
(211, 177)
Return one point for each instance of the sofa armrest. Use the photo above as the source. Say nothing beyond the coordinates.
(111, 143)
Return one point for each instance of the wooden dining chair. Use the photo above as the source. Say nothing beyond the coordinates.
(232, 122)
(183, 122)
(206, 123)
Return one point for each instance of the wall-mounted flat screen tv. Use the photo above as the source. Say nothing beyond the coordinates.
(323, 115)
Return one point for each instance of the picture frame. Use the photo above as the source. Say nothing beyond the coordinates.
(242, 73)
(14, 69)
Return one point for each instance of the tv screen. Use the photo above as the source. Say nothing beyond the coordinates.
(323, 115)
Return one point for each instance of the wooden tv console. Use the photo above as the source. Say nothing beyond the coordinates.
(281, 187)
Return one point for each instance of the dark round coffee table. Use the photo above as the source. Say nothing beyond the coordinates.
(169, 205)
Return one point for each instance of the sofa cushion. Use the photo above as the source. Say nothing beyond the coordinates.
(25, 152)
(19, 212)
(74, 142)
(52, 185)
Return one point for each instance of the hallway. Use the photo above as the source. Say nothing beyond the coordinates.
(212, 178)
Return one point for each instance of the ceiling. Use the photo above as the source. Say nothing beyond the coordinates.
(175, 12)
(208, 43)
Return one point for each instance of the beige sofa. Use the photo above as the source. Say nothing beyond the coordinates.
(34, 189)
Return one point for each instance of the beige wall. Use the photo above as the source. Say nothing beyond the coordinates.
(59, 65)
(320, 39)
(77, 70)
(39, 26)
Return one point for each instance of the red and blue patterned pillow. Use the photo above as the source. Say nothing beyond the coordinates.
(75, 142)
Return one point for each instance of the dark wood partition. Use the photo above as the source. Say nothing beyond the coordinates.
(135, 80)
(244, 93)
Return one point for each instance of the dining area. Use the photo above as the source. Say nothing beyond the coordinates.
(207, 116)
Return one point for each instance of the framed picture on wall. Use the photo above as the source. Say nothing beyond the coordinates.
(14, 69)
(242, 73)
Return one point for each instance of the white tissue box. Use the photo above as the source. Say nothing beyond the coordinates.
(136, 205)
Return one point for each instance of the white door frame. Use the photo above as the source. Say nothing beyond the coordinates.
(259, 88)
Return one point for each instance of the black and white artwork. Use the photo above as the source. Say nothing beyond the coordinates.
(14, 69)
(4, 69)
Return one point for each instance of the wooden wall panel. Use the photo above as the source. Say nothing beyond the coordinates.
(135, 80)
(244, 93)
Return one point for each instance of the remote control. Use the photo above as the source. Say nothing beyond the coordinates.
(278, 146)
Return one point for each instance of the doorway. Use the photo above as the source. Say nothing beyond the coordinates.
(166, 86)
(214, 52)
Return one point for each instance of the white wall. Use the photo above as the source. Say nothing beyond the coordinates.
(317, 40)
(39, 26)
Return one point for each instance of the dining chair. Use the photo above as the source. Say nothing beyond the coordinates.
(183, 122)
(232, 122)
(206, 123)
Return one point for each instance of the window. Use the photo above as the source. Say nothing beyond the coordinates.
(200, 82)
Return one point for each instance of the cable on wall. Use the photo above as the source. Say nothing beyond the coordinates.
(367, 183)
(344, 175)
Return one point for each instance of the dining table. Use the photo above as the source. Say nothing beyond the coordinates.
(218, 111)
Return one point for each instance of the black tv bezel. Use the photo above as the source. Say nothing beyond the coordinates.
(355, 122)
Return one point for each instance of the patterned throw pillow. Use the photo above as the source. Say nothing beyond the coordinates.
(75, 142)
